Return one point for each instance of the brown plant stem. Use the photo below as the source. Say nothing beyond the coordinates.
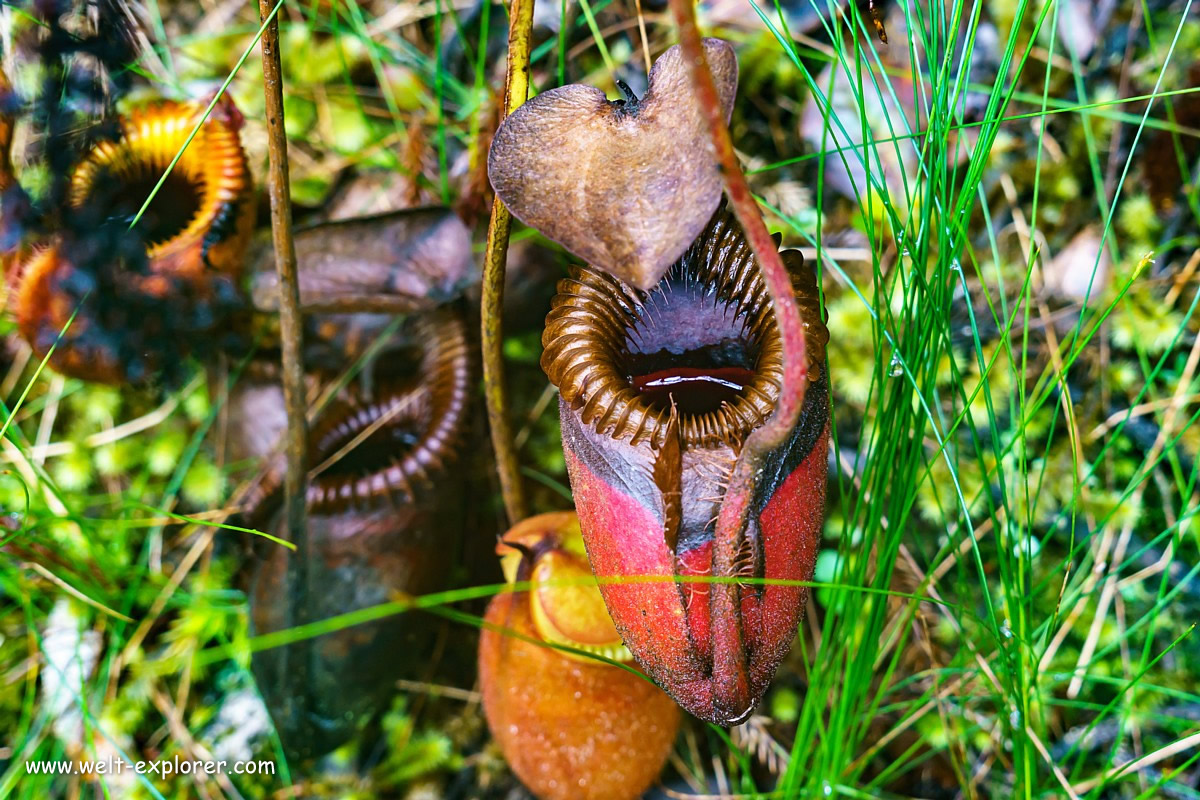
(279, 192)
(516, 90)
(730, 670)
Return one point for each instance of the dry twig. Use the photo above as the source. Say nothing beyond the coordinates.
(290, 322)
(516, 89)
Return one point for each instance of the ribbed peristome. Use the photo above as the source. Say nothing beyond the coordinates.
(213, 163)
(586, 340)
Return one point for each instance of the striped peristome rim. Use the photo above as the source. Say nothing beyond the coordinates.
(150, 137)
(586, 339)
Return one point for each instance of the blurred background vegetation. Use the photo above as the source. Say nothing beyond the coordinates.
(1003, 205)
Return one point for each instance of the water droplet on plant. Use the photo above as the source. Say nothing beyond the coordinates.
(1006, 630)
(827, 789)
(956, 265)
(896, 368)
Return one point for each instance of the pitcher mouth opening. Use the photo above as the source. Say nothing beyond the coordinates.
(139, 301)
(371, 437)
(704, 340)
(390, 448)
(689, 347)
(201, 204)
(171, 210)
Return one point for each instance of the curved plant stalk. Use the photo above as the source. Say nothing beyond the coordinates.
(516, 90)
(730, 672)
(290, 322)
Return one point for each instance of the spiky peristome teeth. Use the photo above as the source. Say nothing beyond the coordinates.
(712, 297)
(153, 303)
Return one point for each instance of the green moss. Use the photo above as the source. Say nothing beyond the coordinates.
(165, 450)
(73, 472)
(299, 115)
(1141, 323)
(96, 405)
(785, 705)
(116, 459)
(204, 484)
(1138, 218)
(349, 129)
(197, 406)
